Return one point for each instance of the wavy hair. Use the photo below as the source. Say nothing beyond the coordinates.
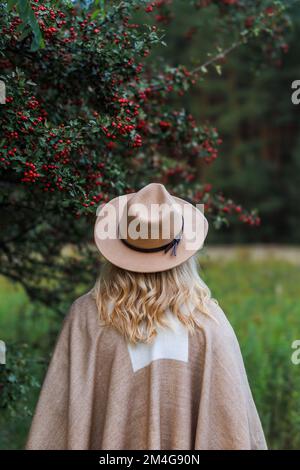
(135, 303)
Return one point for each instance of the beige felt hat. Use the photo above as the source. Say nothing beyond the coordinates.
(149, 230)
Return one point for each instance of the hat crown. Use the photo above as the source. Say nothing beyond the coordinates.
(151, 217)
(153, 193)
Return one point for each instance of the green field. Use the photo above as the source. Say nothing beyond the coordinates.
(261, 300)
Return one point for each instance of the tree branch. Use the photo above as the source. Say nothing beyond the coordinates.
(219, 56)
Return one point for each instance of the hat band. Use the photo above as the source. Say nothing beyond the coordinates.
(168, 246)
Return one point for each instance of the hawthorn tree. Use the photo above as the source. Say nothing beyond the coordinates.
(89, 114)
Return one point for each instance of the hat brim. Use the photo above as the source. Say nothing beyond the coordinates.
(119, 254)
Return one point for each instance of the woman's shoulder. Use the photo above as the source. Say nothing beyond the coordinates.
(216, 327)
(84, 301)
(83, 309)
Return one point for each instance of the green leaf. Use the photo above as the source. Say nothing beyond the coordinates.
(25, 33)
(11, 4)
(28, 18)
(95, 13)
(218, 69)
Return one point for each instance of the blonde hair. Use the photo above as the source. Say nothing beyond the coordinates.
(135, 303)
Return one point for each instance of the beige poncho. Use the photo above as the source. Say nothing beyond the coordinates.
(182, 392)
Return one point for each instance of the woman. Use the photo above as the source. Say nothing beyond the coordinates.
(147, 359)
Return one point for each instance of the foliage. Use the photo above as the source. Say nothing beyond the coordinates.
(17, 381)
(28, 23)
(250, 104)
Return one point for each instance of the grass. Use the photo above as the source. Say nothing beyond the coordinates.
(13, 304)
(23, 323)
(261, 300)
